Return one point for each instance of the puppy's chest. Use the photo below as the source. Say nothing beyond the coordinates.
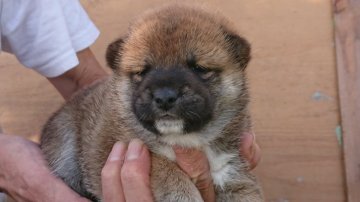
(222, 166)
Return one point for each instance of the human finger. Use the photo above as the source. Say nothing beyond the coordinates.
(112, 189)
(135, 173)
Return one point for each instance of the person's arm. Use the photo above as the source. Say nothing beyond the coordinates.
(85, 73)
(24, 174)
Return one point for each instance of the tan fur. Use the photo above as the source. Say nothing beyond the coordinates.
(142, 41)
(78, 138)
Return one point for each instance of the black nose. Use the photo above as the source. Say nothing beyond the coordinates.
(165, 98)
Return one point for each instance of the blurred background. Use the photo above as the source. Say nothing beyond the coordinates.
(293, 85)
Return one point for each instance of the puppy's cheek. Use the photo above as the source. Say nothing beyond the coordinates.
(142, 109)
(196, 109)
(193, 103)
(142, 96)
(231, 85)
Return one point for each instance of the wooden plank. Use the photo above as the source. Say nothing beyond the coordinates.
(347, 19)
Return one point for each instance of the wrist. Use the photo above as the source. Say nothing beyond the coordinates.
(51, 188)
(35, 186)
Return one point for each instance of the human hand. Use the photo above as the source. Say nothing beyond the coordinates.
(24, 174)
(126, 174)
(25, 177)
(195, 164)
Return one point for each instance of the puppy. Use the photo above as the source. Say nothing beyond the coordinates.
(179, 79)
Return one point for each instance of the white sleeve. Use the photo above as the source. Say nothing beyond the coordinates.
(46, 34)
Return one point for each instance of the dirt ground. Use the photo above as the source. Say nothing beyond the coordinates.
(292, 79)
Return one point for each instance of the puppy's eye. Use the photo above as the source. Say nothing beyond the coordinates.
(199, 69)
(145, 70)
(203, 72)
(138, 76)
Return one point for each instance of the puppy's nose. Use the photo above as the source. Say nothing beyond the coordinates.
(165, 98)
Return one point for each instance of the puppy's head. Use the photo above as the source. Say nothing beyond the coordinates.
(185, 67)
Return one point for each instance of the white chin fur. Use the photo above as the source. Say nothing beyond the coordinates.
(168, 127)
(173, 134)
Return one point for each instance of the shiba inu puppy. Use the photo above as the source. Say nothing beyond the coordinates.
(179, 79)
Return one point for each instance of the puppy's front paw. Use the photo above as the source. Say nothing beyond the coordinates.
(182, 196)
(247, 190)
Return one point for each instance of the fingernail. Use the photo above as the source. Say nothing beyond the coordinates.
(117, 151)
(134, 149)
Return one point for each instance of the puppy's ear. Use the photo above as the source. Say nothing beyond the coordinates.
(239, 49)
(113, 54)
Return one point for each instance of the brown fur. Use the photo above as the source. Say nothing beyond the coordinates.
(78, 138)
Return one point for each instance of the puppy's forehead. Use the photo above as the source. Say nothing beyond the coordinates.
(173, 36)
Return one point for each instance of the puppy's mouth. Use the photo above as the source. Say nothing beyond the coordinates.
(167, 116)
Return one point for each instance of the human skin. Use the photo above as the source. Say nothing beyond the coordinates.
(24, 174)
